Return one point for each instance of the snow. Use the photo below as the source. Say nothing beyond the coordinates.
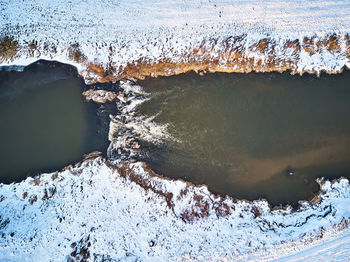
(113, 34)
(93, 203)
(93, 208)
(99, 96)
(335, 249)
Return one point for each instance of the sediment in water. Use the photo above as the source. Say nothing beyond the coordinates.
(264, 38)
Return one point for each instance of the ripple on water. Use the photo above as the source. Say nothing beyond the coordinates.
(252, 135)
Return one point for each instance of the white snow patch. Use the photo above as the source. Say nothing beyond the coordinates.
(121, 220)
(113, 217)
(113, 34)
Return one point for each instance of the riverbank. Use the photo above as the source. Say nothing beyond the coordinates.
(109, 42)
(97, 218)
(98, 211)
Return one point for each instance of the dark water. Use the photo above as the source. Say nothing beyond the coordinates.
(45, 123)
(253, 135)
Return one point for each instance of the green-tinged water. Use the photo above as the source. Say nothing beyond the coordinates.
(45, 123)
(252, 135)
(246, 135)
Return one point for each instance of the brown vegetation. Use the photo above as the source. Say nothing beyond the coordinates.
(49, 193)
(308, 45)
(347, 41)
(200, 209)
(127, 172)
(333, 43)
(33, 199)
(54, 176)
(81, 249)
(222, 210)
(36, 181)
(8, 48)
(261, 46)
(256, 211)
(25, 194)
(293, 44)
(234, 57)
(316, 200)
(75, 54)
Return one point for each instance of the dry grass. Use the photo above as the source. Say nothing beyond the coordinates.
(36, 181)
(309, 45)
(200, 209)
(25, 194)
(333, 43)
(293, 44)
(54, 176)
(76, 54)
(81, 250)
(49, 193)
(127, 172)
(33, 199)
(256, 211)
(222, 210)
(261, 46)
(8, 48)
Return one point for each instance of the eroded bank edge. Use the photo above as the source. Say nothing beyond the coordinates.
(244, 53)
(256, 228)
(128, 131)
(202, 61)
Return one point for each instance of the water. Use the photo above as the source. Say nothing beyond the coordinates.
(246, 135)
(45, 123)
(252, 135)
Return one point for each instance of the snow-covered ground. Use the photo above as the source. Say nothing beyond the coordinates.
(113, 39)
(126, 213)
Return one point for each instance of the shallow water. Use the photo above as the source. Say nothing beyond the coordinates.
(252, 135)
(45, 123)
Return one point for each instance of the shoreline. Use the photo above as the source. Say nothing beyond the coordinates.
(197, 209)
(314, 55)
(96, 211)
(255, 228)
(128, 96)
(288, 230)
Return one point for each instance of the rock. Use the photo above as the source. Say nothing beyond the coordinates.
(122, 97)
(99, 96)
